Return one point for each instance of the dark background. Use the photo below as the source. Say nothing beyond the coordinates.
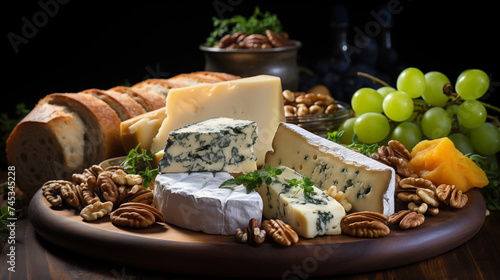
(91, 44)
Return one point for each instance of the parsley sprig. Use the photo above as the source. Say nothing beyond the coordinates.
(304, 184)
(252, 180)
(255, 24)
(140, 163)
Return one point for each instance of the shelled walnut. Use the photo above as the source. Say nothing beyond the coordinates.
(252, 234)
(96, 191)
(406, 219)
(450, 195)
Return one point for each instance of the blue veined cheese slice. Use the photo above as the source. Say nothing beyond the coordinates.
(213, 145)
(310, 216)
(258, 98)
(368, 184)
(194, 201)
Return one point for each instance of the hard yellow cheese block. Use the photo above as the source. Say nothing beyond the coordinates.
(141, 129)
(257, 99)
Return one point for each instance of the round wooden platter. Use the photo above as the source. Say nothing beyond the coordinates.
(167, 248)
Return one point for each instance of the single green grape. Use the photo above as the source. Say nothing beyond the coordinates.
(472, 84)
(408, 133)
(348, 127)
(436, 123)
(433, 93)
(366, 100)
(411, 81)
(398, 106)
(371, 127)
(384, 91)
(452, 110)
(485, 139)
(462, 143)
(471, 114)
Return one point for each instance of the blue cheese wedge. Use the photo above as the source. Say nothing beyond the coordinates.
(368, 184)
(213, 145)
(194, 201)
(309, 215)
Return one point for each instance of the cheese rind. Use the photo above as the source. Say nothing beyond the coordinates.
(309, 216)
(141, 129)
(194, 201)
(257, 98)
(368, 184)
(213, 145)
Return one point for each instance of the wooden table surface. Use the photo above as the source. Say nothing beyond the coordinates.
(35, 258)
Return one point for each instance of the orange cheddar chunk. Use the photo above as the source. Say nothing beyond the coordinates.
(440, 162)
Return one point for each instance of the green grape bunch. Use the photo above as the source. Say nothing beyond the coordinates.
(427, 106)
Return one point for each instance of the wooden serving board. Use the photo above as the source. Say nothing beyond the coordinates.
(167, 248)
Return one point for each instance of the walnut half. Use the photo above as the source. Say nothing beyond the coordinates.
(450, 195)
(96, 210)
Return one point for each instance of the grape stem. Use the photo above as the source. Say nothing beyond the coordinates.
(374, 79)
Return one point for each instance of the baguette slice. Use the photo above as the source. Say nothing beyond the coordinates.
(47, 144)
(202, 77)
(102, 133)
(123, 104)
(149, 101)
(159, 86)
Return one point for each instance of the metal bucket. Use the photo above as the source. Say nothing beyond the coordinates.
(280, 62)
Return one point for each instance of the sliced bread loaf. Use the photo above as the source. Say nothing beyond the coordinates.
(47, 144)
(148, 100)
(124, 105)
(158, 86)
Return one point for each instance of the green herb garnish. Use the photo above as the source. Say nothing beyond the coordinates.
(490, 192)
(364, 149)
(304, 184)
(252, 180)
(140, 163)
(335, 136)
(257, 23)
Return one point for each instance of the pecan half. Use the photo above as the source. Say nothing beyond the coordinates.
(450, 195)
(365, 224)
(132, 216)
(277, 40)
(257, 41)
(281, 232)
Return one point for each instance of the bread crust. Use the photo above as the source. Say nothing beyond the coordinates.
(123, 104)
(148, 100)
(104, 117)
(34, 132)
